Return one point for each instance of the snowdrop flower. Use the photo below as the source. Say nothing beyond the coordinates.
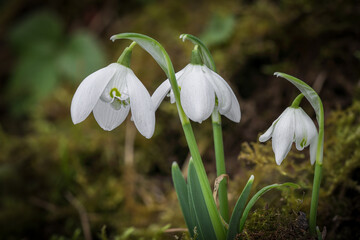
(200, 89)
(110, 93)
(293, 125)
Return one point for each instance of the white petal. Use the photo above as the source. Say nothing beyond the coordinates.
(142, 108)
(234, 114)
(107, 117)
(197, 95)
(187, 69)
(222, 89)
(283, 135)
(160, 93)
(313, 149)
(311, 130)
(300, 138)
(89, 92)
(267, 135)
(305, 126)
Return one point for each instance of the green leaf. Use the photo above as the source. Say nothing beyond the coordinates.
(308, 92)
(205, 226)
(204, 51)
(257, 196)
(38, 28)
(33, 78)
(81, 56)
(183, 195)
(239, 209)
(153, 47)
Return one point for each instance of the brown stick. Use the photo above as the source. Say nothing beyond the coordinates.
(82, 213)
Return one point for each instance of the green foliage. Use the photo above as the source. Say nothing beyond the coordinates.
(218, 30)
(238, 210)
(46, 57)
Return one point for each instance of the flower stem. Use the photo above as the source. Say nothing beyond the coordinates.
(220, 164)
(297, 101)
(315, 197)
(318, 171)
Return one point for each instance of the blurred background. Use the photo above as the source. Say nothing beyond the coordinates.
(65, 181)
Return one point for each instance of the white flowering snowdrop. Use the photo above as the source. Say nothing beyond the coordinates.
(293, 125)
(200, 88)
(110, 93)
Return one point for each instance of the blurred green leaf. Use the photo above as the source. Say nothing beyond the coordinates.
(46, 55)
(81, 56)
(218, 30)
(36, 29)
(33, 78)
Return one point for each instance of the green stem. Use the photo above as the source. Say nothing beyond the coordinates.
(220, 164)
(297, 101)
(315, 197)
(157, 51)
(207, 59)
(318, 172)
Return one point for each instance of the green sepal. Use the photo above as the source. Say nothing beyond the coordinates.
(238, 210)
(204, 224)
(204, 51)
(125, 57)
(257, 196)
(182, 192)
(195, 56)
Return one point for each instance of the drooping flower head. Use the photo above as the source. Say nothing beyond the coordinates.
(110, 93)
(201, 91)
(293, 125)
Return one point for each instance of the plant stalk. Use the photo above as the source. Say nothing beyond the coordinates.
(220, 164)
(315, 197)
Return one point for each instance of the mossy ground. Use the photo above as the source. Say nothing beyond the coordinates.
(271, 224)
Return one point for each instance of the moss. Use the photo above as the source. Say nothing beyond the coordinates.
(275, 225)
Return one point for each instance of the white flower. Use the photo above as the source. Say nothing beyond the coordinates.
(110, 93)
(198, 88)
(293, 125)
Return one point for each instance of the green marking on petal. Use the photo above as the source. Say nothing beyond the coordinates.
(303, 142)
(117, 93)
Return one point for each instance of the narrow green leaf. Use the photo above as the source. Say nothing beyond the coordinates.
(204, 51)
(150, 45)
(257, 196)
(182, 192)
(239, 209)
(205, 226)
(308, 92)
(318, 233)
